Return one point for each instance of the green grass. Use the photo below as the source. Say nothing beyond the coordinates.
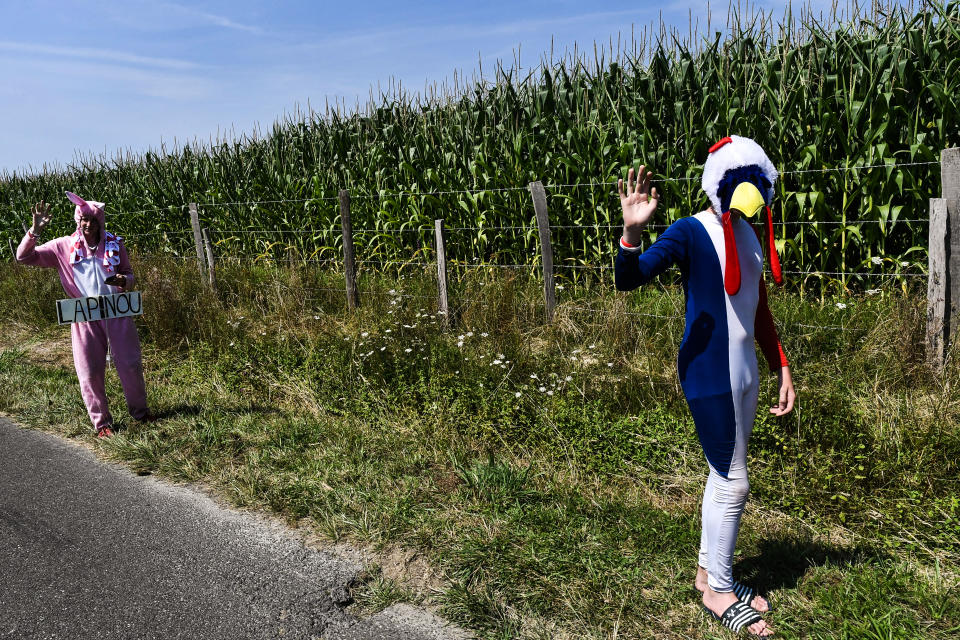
(567, 512)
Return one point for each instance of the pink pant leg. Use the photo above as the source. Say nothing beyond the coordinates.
(125, 350)
(90, 360)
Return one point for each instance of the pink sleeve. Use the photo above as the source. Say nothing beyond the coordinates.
(124, 266)
(766, 333)
(43, 256)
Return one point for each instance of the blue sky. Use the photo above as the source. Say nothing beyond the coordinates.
(113, 75)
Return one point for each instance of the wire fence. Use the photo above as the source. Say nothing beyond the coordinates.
(177, 243)
(501, 189)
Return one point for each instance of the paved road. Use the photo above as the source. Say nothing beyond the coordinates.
(90, 550)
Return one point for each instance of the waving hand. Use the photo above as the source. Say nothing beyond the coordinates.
(638, 202)
(41, 217)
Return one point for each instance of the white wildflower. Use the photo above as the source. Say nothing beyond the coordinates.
(876, 260)
(469, 334)
(549, 393)
(407, 350)
(484, 335)
(364, 334)
(568, 379)
(517, 394)
(872, 292)
(533, 376)
(542, 389)
(904, 264)
(609, 364)
(841, 305)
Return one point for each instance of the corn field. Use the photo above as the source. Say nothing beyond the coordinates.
(821, 95)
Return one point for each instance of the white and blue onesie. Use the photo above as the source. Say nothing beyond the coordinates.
(717, 363)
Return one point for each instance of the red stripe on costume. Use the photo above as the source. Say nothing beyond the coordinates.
(720, 143)
(765, 333)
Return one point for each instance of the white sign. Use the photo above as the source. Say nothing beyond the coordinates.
(117, 305)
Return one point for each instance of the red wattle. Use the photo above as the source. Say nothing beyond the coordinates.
(774, 258)
(731, 273)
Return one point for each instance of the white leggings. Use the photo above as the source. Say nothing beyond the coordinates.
(723, 502)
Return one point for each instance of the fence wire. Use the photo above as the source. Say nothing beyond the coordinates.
(476, 191)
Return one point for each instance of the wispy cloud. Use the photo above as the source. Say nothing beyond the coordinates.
(453, 32)
(212, 18)
(107, 55)
(114, 81)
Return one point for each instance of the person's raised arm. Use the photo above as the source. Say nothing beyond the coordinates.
(639, 202)
(28, 252)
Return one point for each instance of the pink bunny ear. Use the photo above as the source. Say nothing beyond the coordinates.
(75, 199)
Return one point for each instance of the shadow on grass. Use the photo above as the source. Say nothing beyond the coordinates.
(782, 562)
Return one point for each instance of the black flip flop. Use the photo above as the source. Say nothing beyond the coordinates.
(737, 616)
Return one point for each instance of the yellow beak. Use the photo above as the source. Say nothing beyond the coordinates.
(747, 199)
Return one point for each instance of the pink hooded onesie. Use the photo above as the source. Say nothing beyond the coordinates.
(78, 272)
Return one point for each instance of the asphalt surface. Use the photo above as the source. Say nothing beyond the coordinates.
(90, 550)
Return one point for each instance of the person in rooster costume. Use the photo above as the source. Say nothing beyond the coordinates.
(93, 262)
(720, 257)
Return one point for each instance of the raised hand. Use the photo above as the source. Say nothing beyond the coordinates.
(41, 217)
(638, 202)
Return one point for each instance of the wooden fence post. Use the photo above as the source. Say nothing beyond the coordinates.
(349, 266)
(938, 284)
(442, 269)
(546, 248)
(943, 284)
(950, 180)
(211, 270)
(198, 238)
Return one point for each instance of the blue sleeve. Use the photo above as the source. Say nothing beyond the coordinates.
(633, 269)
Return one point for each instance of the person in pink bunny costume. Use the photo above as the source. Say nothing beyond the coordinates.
(93, 262)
